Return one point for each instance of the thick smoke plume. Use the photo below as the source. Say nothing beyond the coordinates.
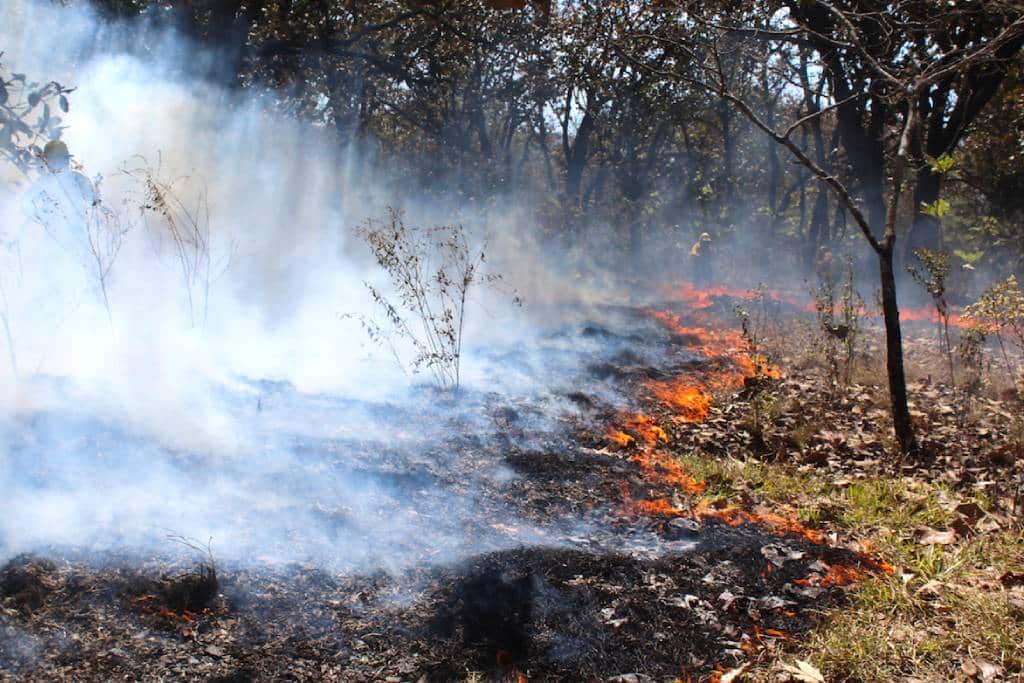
(253, 411)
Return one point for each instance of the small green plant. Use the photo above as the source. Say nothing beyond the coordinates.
(969, 258)
(939, 208)
(999, 311)
(932, 275)
(941, 164)
(839, 326)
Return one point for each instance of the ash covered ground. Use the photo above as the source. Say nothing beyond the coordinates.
(435, 538)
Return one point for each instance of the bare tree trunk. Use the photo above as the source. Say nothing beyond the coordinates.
(818, 235)
(924, 231)
(903, 427)
(728, 176)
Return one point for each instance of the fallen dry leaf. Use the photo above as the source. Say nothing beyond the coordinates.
(970, 510)
(936, 537)
(804, 672)
(734, 675)
(982, 670)
(1011, 579)
(931, 590)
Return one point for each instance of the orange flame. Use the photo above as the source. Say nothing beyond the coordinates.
(701, 298)
(775, 523)
(692, 403)
(621, 438)
(186, 617)
(835, 575)
(729, 363)
(644, 427)
(658, 507)
(664, 467)
(927, 313)
(504, 660)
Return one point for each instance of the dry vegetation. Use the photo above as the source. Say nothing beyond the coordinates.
(816, 445)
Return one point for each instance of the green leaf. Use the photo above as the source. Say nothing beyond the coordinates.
(938, 208)
(968, 257)
(942, 164)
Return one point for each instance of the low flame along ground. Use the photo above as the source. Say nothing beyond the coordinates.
(728, 365)
(703, 299)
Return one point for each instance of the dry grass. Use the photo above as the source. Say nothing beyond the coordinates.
(944, 614)
(942, 611)
(940, 614)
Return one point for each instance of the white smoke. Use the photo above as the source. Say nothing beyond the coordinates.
(118, 426)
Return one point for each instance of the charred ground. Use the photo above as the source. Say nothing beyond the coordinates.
(601, 591)
(588, 557)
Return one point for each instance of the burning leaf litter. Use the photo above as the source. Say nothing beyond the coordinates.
(689, 586)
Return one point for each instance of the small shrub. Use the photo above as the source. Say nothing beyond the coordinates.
(838, 327)
(932, 276)
(970, 351)
(756, 316)
(194, 590)
(999, 312)
(183, 230)
(432, 271)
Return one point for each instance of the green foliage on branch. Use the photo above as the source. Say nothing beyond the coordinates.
(27, 117)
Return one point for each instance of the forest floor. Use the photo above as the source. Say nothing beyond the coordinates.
(949, 521)
(729, 527)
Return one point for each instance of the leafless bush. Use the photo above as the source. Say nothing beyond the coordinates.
(193, 590)
(183, 230)
(758, 316)
(999, 312)
(432, 271)
(931, 274)
(5, 322)
(69, 208)
(105, 231)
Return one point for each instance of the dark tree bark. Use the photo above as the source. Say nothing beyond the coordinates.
(947, 111)
(925, 229)
(903, 427)
(818, 233)
(727, 179)
(576, 153)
